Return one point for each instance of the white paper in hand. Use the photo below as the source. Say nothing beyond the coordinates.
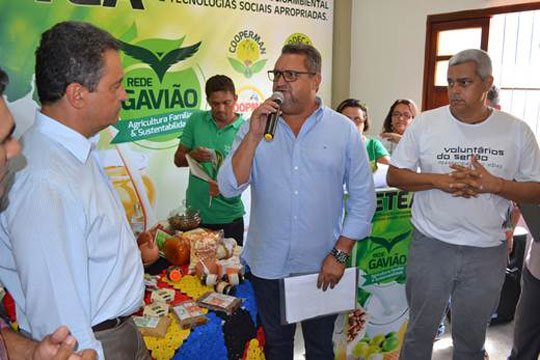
(303, 300)
(196, 169)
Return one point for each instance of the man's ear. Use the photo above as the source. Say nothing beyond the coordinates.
(318, 78)
(488, 82)
(76, 95)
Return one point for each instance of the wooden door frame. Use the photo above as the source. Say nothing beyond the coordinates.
(438, 21)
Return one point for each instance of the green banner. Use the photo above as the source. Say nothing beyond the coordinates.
(376, 329)
(150, 126)
(169, 49)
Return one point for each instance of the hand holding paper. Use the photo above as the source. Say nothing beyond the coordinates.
(197, 169)
(303, 300)
(201, 154)
(331, 273)
(214, 188)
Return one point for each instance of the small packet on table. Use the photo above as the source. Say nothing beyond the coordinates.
(151, 325)
(146, 321)
(156, 309)
(151, 281)
(162, 295)
(189, 314)
(220, 302)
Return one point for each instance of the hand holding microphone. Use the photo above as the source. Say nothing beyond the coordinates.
(272, 119)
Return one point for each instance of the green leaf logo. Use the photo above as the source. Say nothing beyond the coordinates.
(237, 65)
(163, 90)
(258, 66)
(390, 243)
(247, 48)
(160, 62)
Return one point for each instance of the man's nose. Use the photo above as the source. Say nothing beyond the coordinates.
(279, 80)
(123, 94)
(453, 88)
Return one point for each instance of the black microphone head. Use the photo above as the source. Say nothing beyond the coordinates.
(277, 96)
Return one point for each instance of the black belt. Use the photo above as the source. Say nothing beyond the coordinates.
(110, 324)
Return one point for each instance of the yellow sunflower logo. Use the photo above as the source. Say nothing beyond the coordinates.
(247, 54)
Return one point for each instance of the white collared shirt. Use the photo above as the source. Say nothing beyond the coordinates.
(67, 253)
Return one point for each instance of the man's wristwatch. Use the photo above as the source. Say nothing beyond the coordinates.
(341, 256)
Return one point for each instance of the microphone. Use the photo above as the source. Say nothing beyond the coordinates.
(272, 119)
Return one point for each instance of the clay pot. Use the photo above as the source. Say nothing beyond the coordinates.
(148, 248)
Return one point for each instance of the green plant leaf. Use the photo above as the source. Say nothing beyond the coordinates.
(258, 66)
(237, 65)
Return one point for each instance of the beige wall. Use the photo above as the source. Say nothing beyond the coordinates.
(387, 49)
(341, 51)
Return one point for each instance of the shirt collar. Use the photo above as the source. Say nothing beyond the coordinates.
(235, 124)
(238, 122)
(316, 115)
(70, 139)
(311, 121)
(321, 108)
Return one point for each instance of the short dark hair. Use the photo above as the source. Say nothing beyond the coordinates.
(387, 125)
(70, 52)
(4, 81)
(312, 56)
(355, 103)
(219, 83)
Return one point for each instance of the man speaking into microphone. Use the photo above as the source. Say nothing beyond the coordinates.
(272, 118)
(297, 183)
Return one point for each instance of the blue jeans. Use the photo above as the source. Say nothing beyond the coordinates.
(280, 338)
(471, 276)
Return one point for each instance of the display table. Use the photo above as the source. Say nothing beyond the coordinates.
(223, 337)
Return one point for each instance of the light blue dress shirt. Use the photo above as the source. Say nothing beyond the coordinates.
(67, 253)
(297, 193)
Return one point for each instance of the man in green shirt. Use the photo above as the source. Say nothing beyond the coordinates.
(204, 133)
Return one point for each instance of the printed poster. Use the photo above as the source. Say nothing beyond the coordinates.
(375, 331)
(169, 49)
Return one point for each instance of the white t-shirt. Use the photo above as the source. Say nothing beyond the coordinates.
(503, 144)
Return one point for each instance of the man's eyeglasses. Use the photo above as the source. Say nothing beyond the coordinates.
(398, 114)
(288, 75)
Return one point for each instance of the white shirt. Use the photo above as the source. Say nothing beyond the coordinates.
(503, 144)
(67, 253)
